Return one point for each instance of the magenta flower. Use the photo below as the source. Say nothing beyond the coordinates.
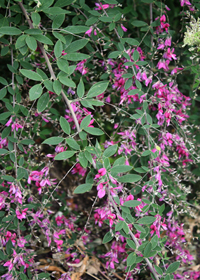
(185, 2)
(9, 264)
(22, 215)
(101, 190)
(169, 54)
(101, 173)
(101, 6)
(123, 28)
(89, 31)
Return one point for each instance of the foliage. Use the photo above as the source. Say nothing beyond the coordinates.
(93, 92)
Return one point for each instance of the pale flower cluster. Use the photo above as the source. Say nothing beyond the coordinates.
(192, 36)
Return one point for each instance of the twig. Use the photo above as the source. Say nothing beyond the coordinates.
(151, 21)
(13, 87)
(115, 274)
(135, 241)
(92, 276)
(51, 69)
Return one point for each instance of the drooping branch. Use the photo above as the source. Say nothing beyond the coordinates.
(53, 76)
(134, 239)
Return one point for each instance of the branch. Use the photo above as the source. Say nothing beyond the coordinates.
(135, 240)
(53, 76)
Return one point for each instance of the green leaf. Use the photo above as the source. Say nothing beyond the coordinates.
(154, 241)
(136, 55)
(75, 29)
(125, 227)
(131, 203)
(147, 249)
(76, 56)
(131, 244)
(64, 155)
(63, 3)
(58, 48)
(8, 178)
(94, 131)
(114, 54)
(35, 92)
(63, 65)
(138, 23)
(4, 50)
(120, 169)
(158, 269)
(8, 30)
(27, 142)
(33, 31)
(88, 156)
(87, 104)
(31, 75)
(129, 178)
(73, 144)
(5, 115)
(85, 122)
(57, 87)
(139, 228)
(82, 159)
(9, 247)
(97, 89)
(146, 153)
(146, 220)
(147, 1)
(56, 11)
(35, 18)
(173, 267)
(21, 173)
(3, 151)
(5, 132)
(31, 42)
(131, 259)
(119, 226)
(105, 19)
(53, 140)
(80, 89)
(83, 188)
(66, 81)
(95, 102)
(3, 93)
(43, 102)
(3, 81)
(108, 237)
(128, 84)
(43, 275)
(132, 42)
(43, 39)
(65, 125)
(58, 21)
(110, 151)
(76, 45)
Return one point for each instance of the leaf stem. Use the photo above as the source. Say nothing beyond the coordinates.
(53, 76)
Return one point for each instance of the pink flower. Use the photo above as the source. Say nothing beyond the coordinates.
(123, 28)
(101, 6)
(101, 173)
(9, 264)
(163, 64)
(175, 70)
(89, 31)
(22, 215)
(170, 54)
(163, 18)
(101, 190)
(185, 2)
